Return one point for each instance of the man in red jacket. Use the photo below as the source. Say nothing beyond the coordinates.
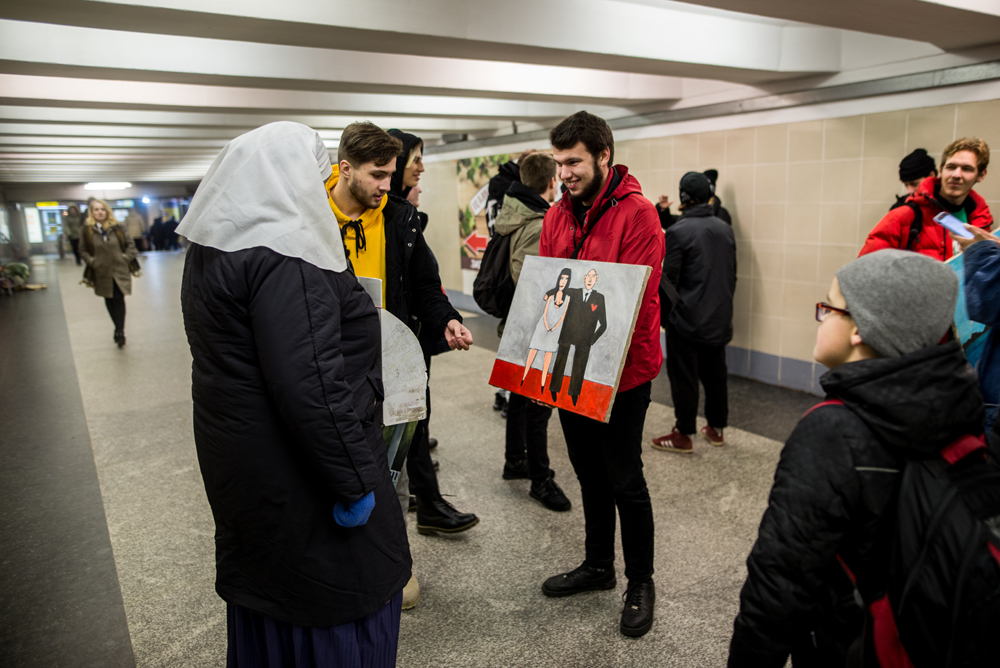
(605, 218)
(912, 226)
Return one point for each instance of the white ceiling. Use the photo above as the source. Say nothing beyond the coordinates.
(150, 90)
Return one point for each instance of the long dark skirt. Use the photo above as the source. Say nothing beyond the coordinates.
(258, 641)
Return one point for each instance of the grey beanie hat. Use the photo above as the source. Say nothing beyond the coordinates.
(901, 301)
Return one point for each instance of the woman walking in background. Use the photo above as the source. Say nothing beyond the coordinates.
(110, 257)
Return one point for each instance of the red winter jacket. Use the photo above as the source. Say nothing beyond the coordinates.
(628, 233)
(893, 231)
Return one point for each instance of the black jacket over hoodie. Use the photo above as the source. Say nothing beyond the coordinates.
(287, 421)
(700, 262)
(832, 496)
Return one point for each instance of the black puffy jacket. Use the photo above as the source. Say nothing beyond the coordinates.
(831, 497)
(700, 262)
(287, 421)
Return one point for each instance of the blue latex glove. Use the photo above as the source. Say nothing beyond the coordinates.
(356, 513)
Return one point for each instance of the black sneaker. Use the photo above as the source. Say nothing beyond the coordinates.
(637, 615)
(499, 402)
(515, 470)
(548, 493)
(580, 579)
(432, 443)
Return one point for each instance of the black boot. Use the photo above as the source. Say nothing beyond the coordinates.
(120, 339)
(434, 515)
(637, 615)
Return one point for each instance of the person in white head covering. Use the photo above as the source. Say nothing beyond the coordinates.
(311, 548)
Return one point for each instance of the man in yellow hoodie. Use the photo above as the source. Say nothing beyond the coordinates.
(383, 239)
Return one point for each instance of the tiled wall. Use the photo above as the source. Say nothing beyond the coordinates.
(803, 197)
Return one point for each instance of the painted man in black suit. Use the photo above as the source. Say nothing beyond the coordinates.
(586, 321)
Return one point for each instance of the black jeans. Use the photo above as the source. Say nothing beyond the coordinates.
(527, 430)
(607, 458)
(75, 245)
(116, 308)
(687, 362)
(419, 467)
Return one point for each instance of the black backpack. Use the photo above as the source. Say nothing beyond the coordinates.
(494, 286)
(944, 573)
(508, 173)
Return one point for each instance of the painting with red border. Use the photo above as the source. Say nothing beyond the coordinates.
(567, 333)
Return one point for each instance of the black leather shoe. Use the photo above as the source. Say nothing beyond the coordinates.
(548, 493)
(580, 579)
(412, 508)
(120, 339)
(436, 464)
(515, 470)
(637, 615)
(432, 443)
(435, 515)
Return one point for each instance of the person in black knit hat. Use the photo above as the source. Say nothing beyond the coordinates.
(913, 169)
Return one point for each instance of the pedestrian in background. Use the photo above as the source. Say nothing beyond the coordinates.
(110, 256)
(72, 222)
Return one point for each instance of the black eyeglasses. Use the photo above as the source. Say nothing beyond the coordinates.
(823, 309)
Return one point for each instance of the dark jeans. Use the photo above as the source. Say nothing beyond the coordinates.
(580, 356)
(687, 363)
(116, 308)
(75, 245)
(607, 458)
(527, 430)
(419, 467)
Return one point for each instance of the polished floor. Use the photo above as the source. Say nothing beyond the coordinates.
(106, 534)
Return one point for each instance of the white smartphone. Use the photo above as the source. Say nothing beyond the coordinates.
(953, 224)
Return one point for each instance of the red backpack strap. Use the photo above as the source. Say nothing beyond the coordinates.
(831, 402)
(963, 447)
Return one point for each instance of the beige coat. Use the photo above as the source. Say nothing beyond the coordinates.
(109, 263)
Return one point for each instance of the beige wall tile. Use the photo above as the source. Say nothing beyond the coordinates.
(843, 138)
(980, 119)
(771, 144)
(638, 156)
(739, 147)
(685, 153)
(623, 153)
(802, 221)
(832, 258)
(805, 182)
(801, 262)
(744, 259)
(989, 188)
(885, 135)
(770, 183)
(741, 330)
(769, 222)
(798, 338)
(879, 180)
(842, 181)
(932, 128)
(439, 187)
(768, 260)
(711, 151)
(805, 141)
(839, 224)
(765, 334)
(661, 153)
(870, 215)
(735, 187)
(799, 300)
(741, 299)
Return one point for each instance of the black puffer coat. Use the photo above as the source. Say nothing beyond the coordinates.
(287, 419)
(700, 262)
(831, 497)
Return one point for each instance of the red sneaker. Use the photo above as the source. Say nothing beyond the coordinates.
(674, 442)
(714, 437)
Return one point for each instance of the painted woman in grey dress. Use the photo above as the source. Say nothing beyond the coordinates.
(546, 335)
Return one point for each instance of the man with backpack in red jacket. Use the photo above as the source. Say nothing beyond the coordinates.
(912, 226)
(605, 218)
(850, 519)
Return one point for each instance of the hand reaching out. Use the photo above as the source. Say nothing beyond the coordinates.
(457, 336)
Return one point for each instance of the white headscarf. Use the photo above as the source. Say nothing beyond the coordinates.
(266, 188)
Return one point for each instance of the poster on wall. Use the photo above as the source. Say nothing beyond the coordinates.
(473, 183)
(569, 327)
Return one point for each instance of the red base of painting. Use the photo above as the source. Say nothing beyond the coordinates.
(593, 401)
